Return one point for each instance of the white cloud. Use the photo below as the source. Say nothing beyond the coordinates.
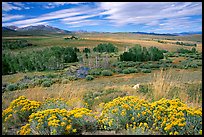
(56, 4)
(60, 14)
(149, 13)
(7, 6)
(34, 24)
(8, 17)
(160, 15)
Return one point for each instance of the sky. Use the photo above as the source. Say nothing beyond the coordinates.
(157, 17)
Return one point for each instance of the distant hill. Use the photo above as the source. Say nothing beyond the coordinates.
(188, 33)
(47, 30)
(32, 30)
(7, 29)
(169, 34)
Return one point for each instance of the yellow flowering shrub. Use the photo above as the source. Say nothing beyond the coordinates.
(169, 117)
(52, 103)
(19, 111)
(120, 112)
(58, 122)
(174, 117)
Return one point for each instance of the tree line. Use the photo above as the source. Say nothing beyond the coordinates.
(47, 59)
(138, 53)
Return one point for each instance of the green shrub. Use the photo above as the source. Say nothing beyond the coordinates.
(145, 66)
(23, 86)
(126, 71)
(12, 87)
(194, 65)
(72, 78)
(130, 70)
(89, 77)
(94, 72)
(107, 73)
(146, 70)
(47, 83)
(105, 47)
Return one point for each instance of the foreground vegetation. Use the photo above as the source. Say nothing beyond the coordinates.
(85, 86)
(55, 117)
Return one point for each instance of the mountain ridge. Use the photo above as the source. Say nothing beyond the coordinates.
(54, 30)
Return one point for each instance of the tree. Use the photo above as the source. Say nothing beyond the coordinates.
(86, 50)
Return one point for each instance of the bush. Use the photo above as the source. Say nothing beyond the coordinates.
(86, 50)
(72, 122)
(72, 78)
(23, 86)
(18, 112)
(105, 47)
(130, 70)
(47, 83)
(138, 53)
(118, 70)
(145, 66)
(12, 87)
(146, 70)
(194, 65)
(126, 71)
(107, 73)
(94, 72)
(89, 77)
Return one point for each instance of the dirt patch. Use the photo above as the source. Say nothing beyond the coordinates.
(178, 59)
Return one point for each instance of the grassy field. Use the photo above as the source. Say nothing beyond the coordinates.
(120, 40)
(171, 83)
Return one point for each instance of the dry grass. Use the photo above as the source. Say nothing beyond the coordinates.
(163, 82)
(166, 85)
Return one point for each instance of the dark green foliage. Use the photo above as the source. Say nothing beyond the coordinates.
(105, 47)
(107, 73)
(86, 50)
(89, 77)
(182, 50)
(12, 87)
(138, 53)
(145, 66)
(185, 44)
(76, 49)
(130, 70)
(146, 70)
(46, 59)
(15, 44)
(95, 72)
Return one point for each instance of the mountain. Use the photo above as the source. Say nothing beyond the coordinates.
(42, 28)
(188, 33)
(152, 33)
(7, 29)
(12, 27)
(169, 34)
(33, 30)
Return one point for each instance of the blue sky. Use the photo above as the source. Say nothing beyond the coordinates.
(158, 17)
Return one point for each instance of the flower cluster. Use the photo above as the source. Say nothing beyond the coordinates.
(19, 110)
(57, 122)
(170, 117)
(53, 103)
(121, 112)
(174, 117)
(129, 113)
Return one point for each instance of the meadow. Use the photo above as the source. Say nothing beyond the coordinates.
(101, 99)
